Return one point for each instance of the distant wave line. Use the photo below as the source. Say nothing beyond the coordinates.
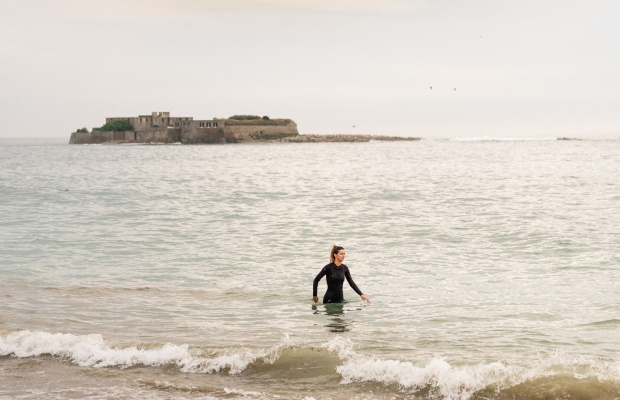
(503, 139)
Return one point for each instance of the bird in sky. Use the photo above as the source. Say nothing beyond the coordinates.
(431, 87)
(479, 37)
(354, 126)
(454, 89)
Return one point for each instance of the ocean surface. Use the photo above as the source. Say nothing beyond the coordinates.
(185, 272)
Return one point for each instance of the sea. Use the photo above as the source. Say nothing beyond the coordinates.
(492, 266)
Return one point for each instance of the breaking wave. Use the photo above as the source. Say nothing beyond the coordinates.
(94, 351)
(444, 380)
(555, 376)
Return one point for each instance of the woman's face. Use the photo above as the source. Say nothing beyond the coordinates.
(339, 256)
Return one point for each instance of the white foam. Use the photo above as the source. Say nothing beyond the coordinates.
(501, 139)
(460, 382)
(241, 392)
(245, 393)
(93, 351)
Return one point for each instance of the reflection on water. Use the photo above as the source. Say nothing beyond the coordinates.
(337, 322)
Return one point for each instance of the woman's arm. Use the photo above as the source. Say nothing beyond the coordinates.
(315, 284)
(347, 274)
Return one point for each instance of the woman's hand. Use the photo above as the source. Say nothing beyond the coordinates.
(315, 299)
(365, 298)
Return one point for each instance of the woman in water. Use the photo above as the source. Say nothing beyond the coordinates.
(335, 271)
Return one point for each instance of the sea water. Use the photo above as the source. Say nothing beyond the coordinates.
(161, 272)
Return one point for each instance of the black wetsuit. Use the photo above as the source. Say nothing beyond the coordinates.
(335, 279)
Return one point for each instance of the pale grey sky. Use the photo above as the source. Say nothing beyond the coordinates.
(521, 68)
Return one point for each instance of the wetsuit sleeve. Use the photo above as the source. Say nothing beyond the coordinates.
(315, 285)
(351, 283)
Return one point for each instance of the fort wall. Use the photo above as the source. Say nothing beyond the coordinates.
(93, 137)
(248, 133)
(164, 135)
(206, 135)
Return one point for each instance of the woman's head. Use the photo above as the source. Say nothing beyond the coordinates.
(336, 253)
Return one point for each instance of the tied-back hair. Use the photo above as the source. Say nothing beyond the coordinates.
(332, 254)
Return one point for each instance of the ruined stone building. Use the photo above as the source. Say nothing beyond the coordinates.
(160, 127)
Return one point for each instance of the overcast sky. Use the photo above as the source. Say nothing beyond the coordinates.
(520, 68)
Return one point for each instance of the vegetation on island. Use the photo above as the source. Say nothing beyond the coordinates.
(259, 121)
(244, 117)
(116, 126)
(248, 117)
(82, 130)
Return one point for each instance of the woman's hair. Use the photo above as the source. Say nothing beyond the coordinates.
(334, 251)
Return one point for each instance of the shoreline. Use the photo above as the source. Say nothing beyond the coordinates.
(344, 138)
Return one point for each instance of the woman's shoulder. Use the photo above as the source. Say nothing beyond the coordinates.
(328, 265)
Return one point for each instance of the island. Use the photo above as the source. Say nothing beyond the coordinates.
(160, 127)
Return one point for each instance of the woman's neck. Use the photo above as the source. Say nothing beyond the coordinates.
(337, 263)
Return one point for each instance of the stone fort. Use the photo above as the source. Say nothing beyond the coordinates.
(160, 127)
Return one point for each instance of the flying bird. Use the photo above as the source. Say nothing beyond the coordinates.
(431, 87)
(454, 89)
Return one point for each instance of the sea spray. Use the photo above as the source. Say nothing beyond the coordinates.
(93, 351)
(463, 381)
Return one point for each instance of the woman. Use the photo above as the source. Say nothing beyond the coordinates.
(335, 271)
